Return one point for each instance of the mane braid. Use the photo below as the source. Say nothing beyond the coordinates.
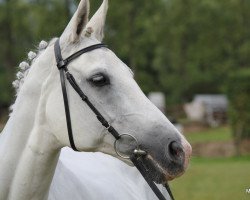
(25, 66)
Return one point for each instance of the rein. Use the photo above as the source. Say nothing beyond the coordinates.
(138, 154)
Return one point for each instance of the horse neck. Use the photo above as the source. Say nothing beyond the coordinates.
(36, 167)
(19, 154)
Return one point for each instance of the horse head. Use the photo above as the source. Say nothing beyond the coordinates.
(112, 89)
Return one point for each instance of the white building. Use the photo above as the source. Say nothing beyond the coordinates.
(211, 109)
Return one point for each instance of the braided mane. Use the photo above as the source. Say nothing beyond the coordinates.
(24, 67)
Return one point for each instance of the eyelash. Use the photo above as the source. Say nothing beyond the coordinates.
(99, 80)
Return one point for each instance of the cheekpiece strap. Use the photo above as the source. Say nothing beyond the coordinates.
(62, 66)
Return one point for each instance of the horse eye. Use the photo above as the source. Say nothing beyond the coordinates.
(99, 80)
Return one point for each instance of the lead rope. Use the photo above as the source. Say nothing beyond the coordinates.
(136, 157)
(138, 162)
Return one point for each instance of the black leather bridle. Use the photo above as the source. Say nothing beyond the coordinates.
(137, 156)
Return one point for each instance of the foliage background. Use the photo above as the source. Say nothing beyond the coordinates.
(180, 47)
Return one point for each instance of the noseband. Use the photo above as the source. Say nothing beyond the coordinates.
(138, 154)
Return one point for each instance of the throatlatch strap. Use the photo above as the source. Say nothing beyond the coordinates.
(59, 61)
(67, 111)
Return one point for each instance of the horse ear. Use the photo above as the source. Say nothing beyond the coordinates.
(97, 22)
(77, 23)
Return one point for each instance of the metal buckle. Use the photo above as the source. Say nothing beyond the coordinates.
(107, 128)
(137, 151)
(61, 64)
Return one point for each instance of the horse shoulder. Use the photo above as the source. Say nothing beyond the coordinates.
(94, 176)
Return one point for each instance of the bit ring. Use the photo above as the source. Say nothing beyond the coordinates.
(123, 135)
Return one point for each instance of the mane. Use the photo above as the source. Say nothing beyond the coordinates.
(25, 66)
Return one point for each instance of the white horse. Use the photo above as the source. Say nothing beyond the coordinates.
(36, 131)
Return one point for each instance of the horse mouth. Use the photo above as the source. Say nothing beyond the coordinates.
(160, 174)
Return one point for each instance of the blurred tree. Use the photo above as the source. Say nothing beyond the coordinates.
(181, 47)
(23, 23)
(133, 30)
(201, 46)
(238, 91)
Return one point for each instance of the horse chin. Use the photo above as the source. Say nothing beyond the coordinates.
(159, 174)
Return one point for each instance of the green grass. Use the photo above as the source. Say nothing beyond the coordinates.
(214, 179)
(210, 135)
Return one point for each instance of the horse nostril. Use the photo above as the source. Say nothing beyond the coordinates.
(175, 149)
